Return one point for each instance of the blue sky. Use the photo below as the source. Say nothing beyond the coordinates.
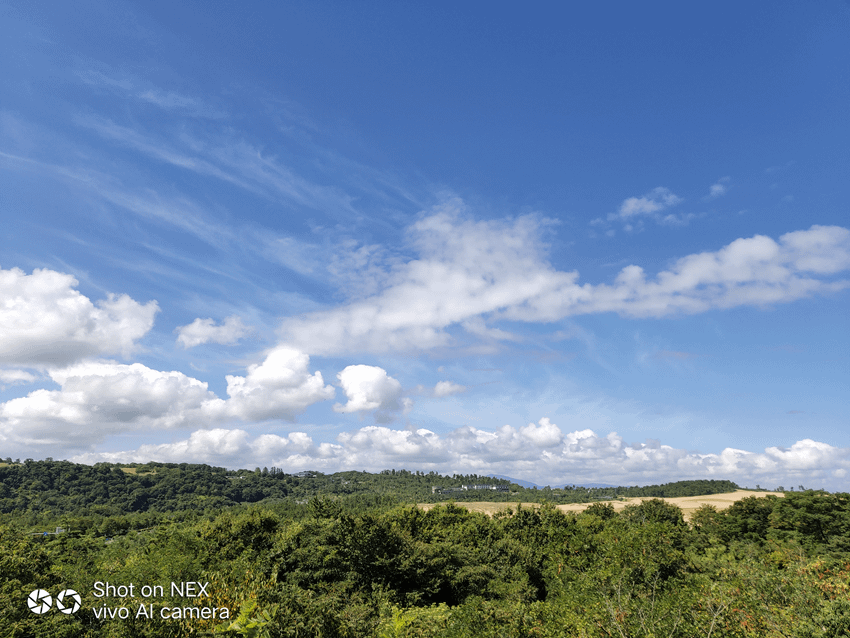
(603, 243)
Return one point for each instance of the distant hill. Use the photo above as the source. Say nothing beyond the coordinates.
(105, 489)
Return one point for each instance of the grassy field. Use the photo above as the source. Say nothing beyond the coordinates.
(689, 504)
(133, 470)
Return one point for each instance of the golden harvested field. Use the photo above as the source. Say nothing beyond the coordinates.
(688, 503)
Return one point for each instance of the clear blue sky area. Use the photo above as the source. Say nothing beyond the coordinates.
(566, 242)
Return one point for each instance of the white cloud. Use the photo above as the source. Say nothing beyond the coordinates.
(756, 271)
(98, 399)
(634, 210)
(717, 190)
(654, 201)
(15, 377)
(391, 446)
(217, 446)
(370, 388)
(477, 326)
(448, 388)
(465, 269)
(540, 452)
(476, 273)
(279, 388)
(232, 448)
(47, 322)
(202, 331)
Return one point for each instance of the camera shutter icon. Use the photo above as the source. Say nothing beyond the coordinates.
(39, 601)
(68, 601)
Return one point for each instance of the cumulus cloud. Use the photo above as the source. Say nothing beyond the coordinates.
(279, 388)
(102, 398)
(371, 388)
(540, 452)
(97, 399)
(472, 274)
(202, 331)
(47, 322)
(217, 446)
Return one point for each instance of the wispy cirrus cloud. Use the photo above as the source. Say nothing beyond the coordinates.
(159, 149)
(145, 92)
(674, 355)
(233, 161)
(252, 165)
(174, 210)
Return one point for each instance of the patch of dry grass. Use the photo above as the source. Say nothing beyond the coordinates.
(689, 504)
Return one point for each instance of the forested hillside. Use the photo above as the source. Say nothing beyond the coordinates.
(48, 488)
(765, 567)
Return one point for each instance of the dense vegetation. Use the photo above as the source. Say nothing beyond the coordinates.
(365, 564)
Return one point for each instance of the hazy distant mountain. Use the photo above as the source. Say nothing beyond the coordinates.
(519, 482)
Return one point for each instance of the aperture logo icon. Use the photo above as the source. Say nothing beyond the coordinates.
(40, 601)
(68, 601)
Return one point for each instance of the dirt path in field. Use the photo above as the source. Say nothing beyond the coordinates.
(689, 504)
